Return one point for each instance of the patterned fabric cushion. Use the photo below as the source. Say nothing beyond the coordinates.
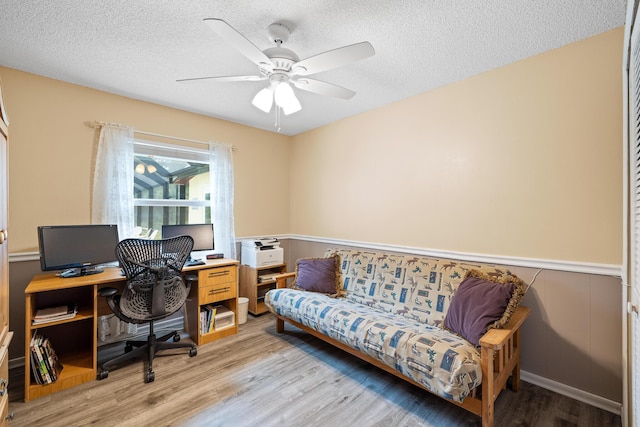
(415, 287)
(444, 363)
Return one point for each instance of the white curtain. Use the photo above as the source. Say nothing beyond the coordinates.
(221, 168)
(112, 201)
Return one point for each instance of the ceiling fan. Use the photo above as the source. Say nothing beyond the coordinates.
(283, 68)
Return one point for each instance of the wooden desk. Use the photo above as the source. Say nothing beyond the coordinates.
(76, 340)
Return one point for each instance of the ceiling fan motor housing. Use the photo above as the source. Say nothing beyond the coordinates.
(282, 58)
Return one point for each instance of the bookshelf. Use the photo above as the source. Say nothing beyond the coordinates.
(217, 286)
(256, 282)
(74, 340)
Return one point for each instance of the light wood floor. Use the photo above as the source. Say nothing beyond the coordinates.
(260, 378)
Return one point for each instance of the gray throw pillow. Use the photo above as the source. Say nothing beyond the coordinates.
(318, 274)
(477, 305)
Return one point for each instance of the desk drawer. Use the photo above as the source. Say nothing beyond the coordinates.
(218, 275)
(219, 292)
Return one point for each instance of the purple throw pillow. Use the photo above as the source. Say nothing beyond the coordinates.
(317, 274)
(476, 305)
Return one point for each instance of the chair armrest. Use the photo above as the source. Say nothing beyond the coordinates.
(107, 292)
(497, 338)
(190, 279)
(281, 279)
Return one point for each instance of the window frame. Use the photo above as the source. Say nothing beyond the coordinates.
(144, 147)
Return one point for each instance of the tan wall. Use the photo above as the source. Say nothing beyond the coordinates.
(524, 160)
(50, 155)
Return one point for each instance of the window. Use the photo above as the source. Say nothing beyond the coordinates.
(171, 186)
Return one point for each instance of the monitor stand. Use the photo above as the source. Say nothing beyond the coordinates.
(82, 271)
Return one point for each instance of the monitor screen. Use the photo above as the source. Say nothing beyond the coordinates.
(77, 247)
(202, 234)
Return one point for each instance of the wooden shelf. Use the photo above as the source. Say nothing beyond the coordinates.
(81, 315)
(77, 369)
(256, 282)
(216, 335)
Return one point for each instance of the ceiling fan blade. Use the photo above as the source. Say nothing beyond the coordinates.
(238, 41)
(322, 88)
(333, 59)
(224, 79)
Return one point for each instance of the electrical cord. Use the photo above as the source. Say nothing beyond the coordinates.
(534, 279)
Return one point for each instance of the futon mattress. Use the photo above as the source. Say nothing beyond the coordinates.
(442, 362)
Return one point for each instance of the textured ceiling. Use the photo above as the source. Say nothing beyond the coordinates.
(140, 48)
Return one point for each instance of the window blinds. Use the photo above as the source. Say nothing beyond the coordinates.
(634, 223)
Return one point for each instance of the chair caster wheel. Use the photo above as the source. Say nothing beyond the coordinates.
(176, 337)
(102, 374)
(193, 352)
(149, 377)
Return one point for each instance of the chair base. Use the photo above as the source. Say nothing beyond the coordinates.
(147, 348)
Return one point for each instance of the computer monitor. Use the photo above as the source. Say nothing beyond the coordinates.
(203, 240)
(77, 249)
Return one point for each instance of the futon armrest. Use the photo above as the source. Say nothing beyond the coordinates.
(497, 338)
(281, 279)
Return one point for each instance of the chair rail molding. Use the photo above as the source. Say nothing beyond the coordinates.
(613, 270)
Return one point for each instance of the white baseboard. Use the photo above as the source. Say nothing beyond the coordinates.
(574, 393)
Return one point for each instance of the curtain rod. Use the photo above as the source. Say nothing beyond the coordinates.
(96, 124)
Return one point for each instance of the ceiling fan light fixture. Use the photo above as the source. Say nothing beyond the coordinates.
(286, 99)
(140, 168)
(263, 99)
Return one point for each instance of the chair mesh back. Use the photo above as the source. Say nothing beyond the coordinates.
(155, 288)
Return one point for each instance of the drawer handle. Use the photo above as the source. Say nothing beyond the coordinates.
(219, 273)
(3, 386)
(218, 291)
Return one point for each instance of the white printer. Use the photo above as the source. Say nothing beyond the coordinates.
(261, 252)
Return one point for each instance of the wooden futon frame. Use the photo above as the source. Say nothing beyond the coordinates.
(500, 350)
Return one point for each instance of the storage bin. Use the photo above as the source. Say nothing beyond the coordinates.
(224, 318)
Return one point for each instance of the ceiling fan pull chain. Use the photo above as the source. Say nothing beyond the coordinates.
(277, 123)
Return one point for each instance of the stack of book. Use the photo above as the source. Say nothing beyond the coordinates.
(53, 314)
(207, 318)
(44, 362)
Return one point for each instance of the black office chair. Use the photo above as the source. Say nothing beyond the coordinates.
(155, 289)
